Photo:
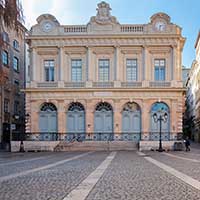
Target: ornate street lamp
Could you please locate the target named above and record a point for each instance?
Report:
(160, 116)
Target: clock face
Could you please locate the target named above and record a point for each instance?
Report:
(160, 26)
(47, 26)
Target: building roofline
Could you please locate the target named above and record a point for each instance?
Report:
(197, 40)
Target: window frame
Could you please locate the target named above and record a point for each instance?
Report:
(3, 53)
(160, 69)
(134, 70)
(6, 105)
(16, 64)
(16, 45)
(78, 76)
(101, 77)
(51, 73)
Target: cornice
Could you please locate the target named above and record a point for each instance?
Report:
(78, 90)
(99, 42)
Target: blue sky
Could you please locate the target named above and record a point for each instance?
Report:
(185, 13)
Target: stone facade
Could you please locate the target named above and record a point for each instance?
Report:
(105, 39)
(12, 72)
(193, 97)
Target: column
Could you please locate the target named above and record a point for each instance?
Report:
(61, 119)
(34, 65)
(143, 77)
(172, 64)
(145, 119)
(117, 73)
(90, 65)
(89, 115)
(117, 119)
(61, 71)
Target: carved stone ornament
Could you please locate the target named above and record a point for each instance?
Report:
(103, 14)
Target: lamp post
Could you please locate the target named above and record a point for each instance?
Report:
(160, 117)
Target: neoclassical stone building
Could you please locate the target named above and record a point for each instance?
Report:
(105, 77)
(193, 96)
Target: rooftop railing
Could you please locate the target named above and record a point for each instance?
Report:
(160, 84)
(131, 84)
(47, 84)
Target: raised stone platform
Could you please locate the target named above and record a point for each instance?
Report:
(75, 146)
(153, 145)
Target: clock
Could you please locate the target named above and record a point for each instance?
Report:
(160, 26)
(47, 26)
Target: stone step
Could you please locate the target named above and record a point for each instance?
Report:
(96, 146)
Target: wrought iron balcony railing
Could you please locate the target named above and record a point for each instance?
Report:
(94, 136)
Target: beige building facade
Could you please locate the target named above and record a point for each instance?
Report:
(193, 96)
(105, 77)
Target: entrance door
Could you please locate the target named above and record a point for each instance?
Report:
(131, 122)
(48, 122)
(103, 122)
(76, 121)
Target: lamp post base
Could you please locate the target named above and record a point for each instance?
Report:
(160, 150)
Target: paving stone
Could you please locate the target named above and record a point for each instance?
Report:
(132, 177)
(53, 183)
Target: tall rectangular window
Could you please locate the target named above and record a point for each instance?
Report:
(131, 69)
(159, 69)
(76, 71)
(16, 64)
(104, 69)
(5, 57)
(6, 105)
(16, 44)
(49, 70)
(16, 107)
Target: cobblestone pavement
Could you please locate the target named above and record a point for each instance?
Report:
(181, 162)
(130, 176)
(27, 164)
(53, 183)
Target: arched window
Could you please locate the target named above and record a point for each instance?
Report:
(103, 106)
(48, 107)
(160, 108)
(76, 107)
(131, 107)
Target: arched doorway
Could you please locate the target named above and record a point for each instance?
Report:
(48, 122)
(103, 121)
(76, 120)
(160, 108)
(131, 122)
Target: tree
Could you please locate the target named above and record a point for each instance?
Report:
(11, 14)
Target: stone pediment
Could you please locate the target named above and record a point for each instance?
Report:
(103, 21)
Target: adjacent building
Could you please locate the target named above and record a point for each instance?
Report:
(105, 77)
(12, 80)
(193, 96)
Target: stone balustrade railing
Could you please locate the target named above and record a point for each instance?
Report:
(75, 29)
(123, 29)
(132, 28)
(160, 84)
(131, 84)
